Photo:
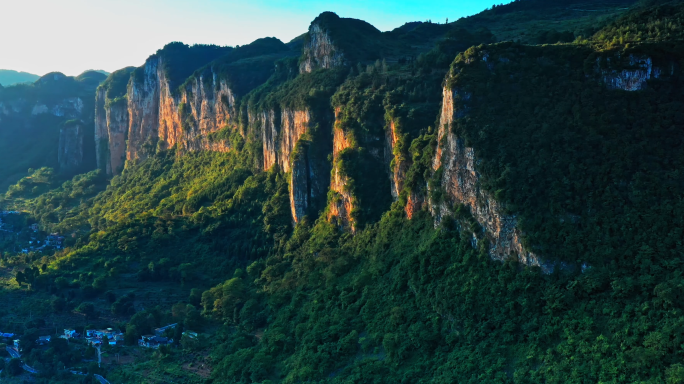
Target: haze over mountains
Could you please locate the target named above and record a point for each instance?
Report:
(9, 77)
(493, 200)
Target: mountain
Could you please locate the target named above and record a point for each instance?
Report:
(467, 202)
(98, 70)
(9, 77)
(47, 123)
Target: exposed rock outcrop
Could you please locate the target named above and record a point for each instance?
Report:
(70, 154)
(319, 51)
(164, 118)
(342, 203)
(143, 110)
(461, 184)
(111, 131)
(634, 79)
(399, 164)
(286, 146)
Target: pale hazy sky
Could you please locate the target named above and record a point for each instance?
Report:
(70, 36)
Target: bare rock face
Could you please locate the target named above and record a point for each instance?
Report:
(111, 130)
(269, 136)
(162, 117)
(294, 125)
(143, 111)
(634, 79)
(399, 165)
(70, 154)
(342, 203)
(284, 146)
(461, 186)
(319, 51)
(117, 129)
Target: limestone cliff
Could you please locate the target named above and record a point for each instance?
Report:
(286, 143)
(319, 50)
(342, 203)
(399, 164)
(640, 70)
(461, 185)
(70, 153)
(143, 110)
(162, 117)
(111, 130)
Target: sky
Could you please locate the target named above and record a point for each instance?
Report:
(71, 36)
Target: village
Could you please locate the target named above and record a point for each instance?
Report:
(96, 338)
(27, 238)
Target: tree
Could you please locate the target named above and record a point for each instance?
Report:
(58, 304)
(131, 335)
(20, 278)
(61, 282)
(87, 309)
(100, 283)
(195, 297)
(14, 367)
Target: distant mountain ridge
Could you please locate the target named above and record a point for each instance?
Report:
(10, 77)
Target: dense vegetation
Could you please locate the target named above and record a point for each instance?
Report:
(205, 239)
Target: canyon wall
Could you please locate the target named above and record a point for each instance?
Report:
(111, 131)
(342, 203)
(287, 144)
(398, 164)
(461, 184)
(154, 116)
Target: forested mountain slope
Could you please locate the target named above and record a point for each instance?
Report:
(47, 123)
(374, 213)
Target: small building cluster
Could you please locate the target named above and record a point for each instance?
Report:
(158, 339)
(55, 240)
(43, 340)
(70, 334)
(98, 337)
(152, 341)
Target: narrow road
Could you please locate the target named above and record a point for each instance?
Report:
(13, 352)
(101, 379)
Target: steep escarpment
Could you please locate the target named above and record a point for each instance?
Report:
(183, 95)
(285, 145)
(111, 121)
(295, 142)
(456, 164)
(341, 200)
(501, 160)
